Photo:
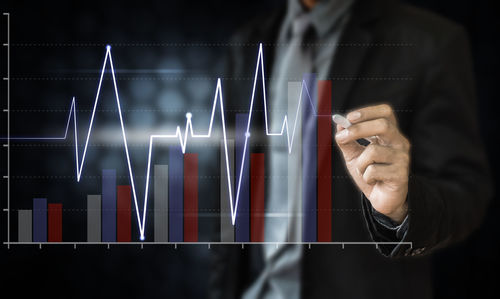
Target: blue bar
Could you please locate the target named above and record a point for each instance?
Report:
(109, 205)
(309, 160)
(175, 193)
(242, 224)
(39, 220)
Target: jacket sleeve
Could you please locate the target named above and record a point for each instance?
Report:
(449, 184)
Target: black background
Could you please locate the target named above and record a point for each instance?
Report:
(51, 45)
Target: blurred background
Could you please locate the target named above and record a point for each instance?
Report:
(168, 55)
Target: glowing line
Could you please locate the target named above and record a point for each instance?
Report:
(183, 139)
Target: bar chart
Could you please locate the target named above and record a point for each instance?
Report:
(174, 201)
(176, 197)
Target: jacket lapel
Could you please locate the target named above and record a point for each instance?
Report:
(354, 45)
(347, 65)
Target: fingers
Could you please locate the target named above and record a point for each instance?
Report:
(371, 113)
(375, 153)
(350, 150)
(385, 130)
(376, 123)
(384, 173)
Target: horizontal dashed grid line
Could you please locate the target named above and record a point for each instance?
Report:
(167, 110)
(198, 210)
(216, 144)
(138, 110)
(208, 44)
(159, 78)
(141, 176)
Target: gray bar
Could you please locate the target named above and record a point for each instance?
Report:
(295, 163)
(25, 225)
(161, 203)
(93, 218)
(226, 226)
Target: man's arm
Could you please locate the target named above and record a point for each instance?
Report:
(445, 192)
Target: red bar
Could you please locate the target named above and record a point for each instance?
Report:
(257, 205)
(123, 214)
(325, 143)
(191, 197)
(55, 222)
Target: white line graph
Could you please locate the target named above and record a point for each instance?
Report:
(182, 137)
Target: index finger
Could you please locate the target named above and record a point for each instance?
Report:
(371, 113)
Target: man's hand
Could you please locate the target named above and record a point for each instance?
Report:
(381, 169)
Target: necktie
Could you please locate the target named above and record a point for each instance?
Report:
(284, 204)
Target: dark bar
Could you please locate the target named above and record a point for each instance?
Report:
(175, 194)
(309, 160)
(55, 222)
(257, 192)
(325, 143)
(109, 205)
(123, 214)
(39, 220)
(191, 197)
(242, 222)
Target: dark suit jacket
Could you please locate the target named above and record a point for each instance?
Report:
(420, 64)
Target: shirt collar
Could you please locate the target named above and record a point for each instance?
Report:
(323, 16)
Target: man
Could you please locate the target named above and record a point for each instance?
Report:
(405, 77)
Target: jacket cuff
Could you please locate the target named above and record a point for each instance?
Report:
(383, 229)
